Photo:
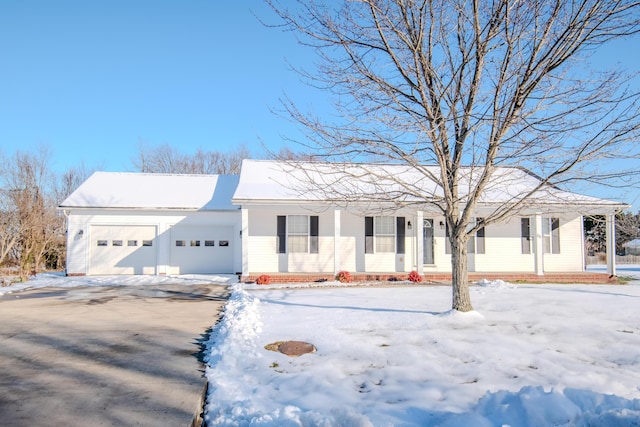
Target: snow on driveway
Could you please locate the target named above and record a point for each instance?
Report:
(59, 280)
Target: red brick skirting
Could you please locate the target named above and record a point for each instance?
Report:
(444, 278)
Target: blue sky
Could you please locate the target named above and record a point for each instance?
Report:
(91, 79)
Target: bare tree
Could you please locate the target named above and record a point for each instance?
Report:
(28, 195)
(69, 180)
(32, 230)
(167, 159)
(287, 154)
(469, 86)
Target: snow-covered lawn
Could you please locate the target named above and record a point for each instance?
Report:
(531, 355)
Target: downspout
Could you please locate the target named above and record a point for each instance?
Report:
(65, 212)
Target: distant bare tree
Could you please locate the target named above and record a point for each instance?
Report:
(468, 86)
(28, 195)
(287, 154)
(69, 180)
(167, 159)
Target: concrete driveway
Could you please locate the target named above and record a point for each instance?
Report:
(105, 356)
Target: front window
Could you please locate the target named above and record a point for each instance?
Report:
(551, 235)
(298, 234)
(385, 233)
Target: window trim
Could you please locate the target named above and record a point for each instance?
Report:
(283, 232)
(378, 234)
(293, 233)
(550, 231)
(371, 235)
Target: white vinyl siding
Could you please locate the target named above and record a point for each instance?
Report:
(302, 252)
(503, 249)
(569, 236)
(352, 242)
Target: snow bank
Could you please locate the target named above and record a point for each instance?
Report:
(564, 355)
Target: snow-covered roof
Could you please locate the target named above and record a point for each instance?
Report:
(154, 191)
(264, 181)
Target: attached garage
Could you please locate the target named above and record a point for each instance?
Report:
(118, 249)
(131, 223)
(205, 250)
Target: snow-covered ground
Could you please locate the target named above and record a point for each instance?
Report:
(531, 355)
(622, 270)
(59, 280)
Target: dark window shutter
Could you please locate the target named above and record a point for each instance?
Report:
(480, 239)
(400, 233)
(555, 235)
(313, 234)
(526, 235)
(282, 234)
(368, 235)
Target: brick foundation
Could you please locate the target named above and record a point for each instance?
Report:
(441, 278)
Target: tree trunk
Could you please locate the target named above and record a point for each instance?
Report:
(459, 276)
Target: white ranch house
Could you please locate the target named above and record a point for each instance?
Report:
(273, 219)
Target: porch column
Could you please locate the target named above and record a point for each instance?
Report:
(538, 251)
(244, 241)
(611, 244)
(336, 241)
(419, 242)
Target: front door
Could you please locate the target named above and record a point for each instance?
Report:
(427, 242)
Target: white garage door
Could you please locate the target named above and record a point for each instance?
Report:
(118, 249)
(203, 250)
